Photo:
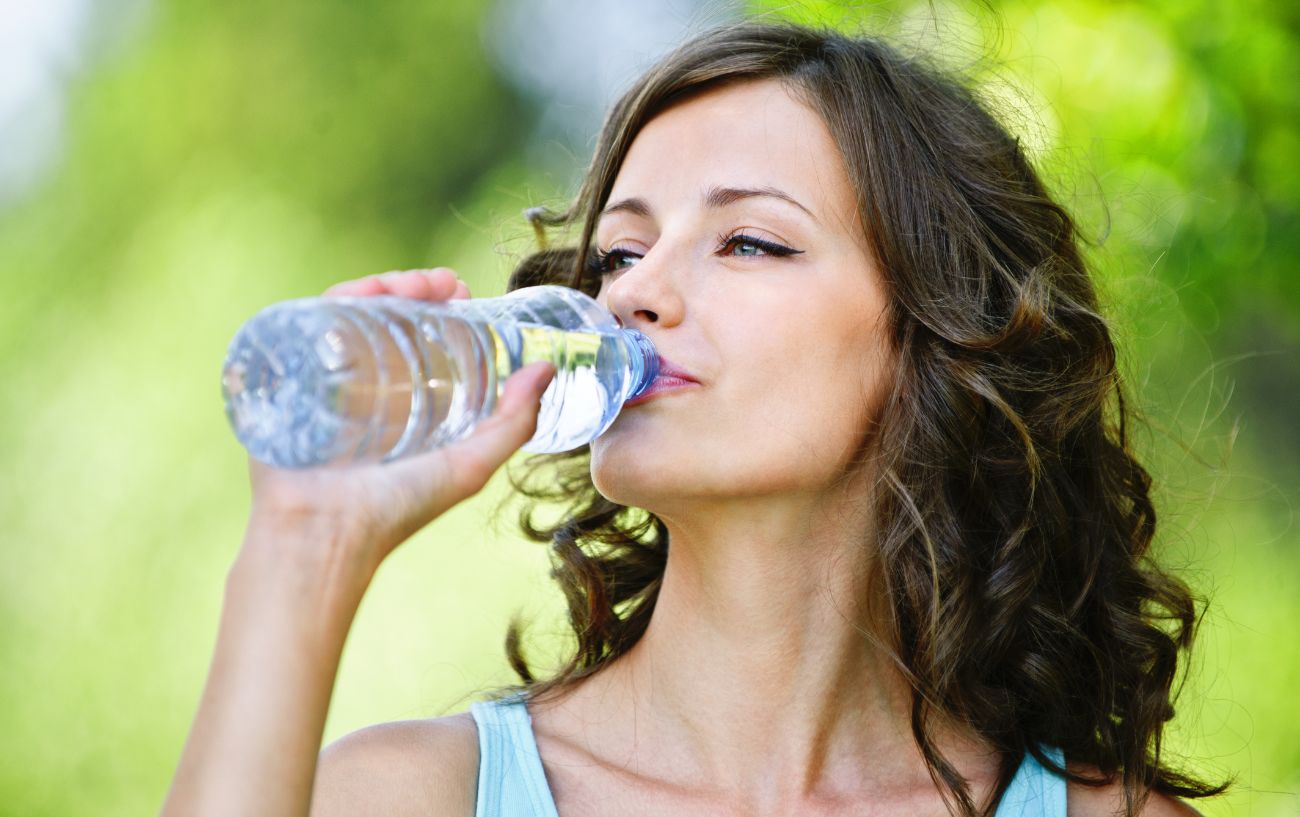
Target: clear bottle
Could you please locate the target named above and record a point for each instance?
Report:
(320, 381)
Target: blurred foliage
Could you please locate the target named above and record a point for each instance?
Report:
(235, 154)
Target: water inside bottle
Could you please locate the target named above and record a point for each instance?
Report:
(590, 366)
(337, 384)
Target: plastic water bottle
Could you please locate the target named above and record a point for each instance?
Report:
(322, 381)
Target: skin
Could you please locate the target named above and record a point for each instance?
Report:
(313, 542)
(752, 691)
(767, 552)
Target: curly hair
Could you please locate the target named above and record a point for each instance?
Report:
(1014, 520)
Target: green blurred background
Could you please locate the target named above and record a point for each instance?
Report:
(168, 167)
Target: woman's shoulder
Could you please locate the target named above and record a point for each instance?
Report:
(420, 767)
(1108, 800)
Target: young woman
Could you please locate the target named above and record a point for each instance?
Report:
(876, 545)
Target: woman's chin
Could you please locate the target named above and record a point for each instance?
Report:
(617, 482)
(633, 477)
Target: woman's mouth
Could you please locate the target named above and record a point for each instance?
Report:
(671, 378)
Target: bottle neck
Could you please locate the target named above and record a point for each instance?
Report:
(643, 361)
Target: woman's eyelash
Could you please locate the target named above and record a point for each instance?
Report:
(729, 242)
(602, 262)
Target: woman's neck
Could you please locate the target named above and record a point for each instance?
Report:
(755, 677)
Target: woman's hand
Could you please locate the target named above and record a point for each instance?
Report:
(314, 540)
(370, 509)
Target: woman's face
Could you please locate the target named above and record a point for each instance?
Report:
(731, 239)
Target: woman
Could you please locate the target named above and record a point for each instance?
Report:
(875, 546)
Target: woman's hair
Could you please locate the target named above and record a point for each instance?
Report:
(1013, 520)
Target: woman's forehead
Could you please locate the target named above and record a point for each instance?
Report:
(749, 136)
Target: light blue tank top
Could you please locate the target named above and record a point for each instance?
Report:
(511, 782)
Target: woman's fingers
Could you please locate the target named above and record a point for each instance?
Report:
(359, 288)
(462, 469)
(409, 284)
(475, 459)
(438, 284)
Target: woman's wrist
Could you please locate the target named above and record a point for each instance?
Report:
(303, 561)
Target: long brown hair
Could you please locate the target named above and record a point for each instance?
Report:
(1014, 521)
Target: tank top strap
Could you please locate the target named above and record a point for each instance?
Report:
(1035, 791)
(511, 781)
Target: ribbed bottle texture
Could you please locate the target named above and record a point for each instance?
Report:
(339, 380)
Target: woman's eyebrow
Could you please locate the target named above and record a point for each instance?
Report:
(714, 197)
(722, 196)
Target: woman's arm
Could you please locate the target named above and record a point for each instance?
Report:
(288, 607)
(315, 538)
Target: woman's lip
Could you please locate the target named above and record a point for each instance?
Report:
(669, 369)
(662, 384)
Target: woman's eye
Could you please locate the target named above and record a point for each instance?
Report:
(608, 262)
(619, 259)
(748, 246)
(613, 261)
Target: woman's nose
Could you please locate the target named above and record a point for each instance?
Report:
(644, 294)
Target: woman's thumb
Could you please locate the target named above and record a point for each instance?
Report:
(510, 426)
(521, 399)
